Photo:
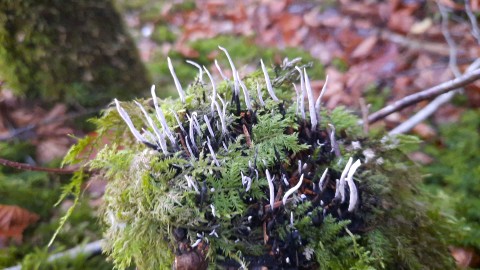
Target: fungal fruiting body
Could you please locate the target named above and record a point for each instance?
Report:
(215, 176)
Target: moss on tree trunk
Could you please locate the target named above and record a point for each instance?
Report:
(76, 51)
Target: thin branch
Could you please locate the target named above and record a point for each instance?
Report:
(423, 114)
(425, 94)
(433, 106)
(412, 44)
(452, 60)
(28, 167)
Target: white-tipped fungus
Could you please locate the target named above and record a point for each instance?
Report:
(176, 81)
(129, 123)
(292, 190)
(267, 81)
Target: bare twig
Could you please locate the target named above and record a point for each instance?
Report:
(423, 114)
(433, 106)
(28, 167)
(413, 44)
(430, 108)
(88, 249)
(429, 93)
(452, 60)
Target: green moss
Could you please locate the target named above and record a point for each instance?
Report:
(376, 96)
(158, 204)
(456, 171)
(38, 192)
(187, 5)
(340, 64)
(162, 33)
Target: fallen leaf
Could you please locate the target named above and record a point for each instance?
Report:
(348, 38)
(312, 18)
(420, 157)
(424, 130)
(289, 22)
(335, 88)
(401, 21)
(360, 8)
(331, 18)
(465, 257)
(473, 94)
(14, 220)
(421, 27)
(364, 49)
(52, 148)
(277, 6)
(186, 51)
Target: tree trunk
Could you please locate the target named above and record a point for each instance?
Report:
(75, 51)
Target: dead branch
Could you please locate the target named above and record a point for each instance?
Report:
(452, 55)
(433, 106)
(413, 44)
(430, 93)
(28, 167)
(423, 114)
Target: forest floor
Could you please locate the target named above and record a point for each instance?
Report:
(380, 51)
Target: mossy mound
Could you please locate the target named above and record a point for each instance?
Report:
(75, 51)
(216, 184)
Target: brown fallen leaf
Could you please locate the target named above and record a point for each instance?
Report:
(401, 21)
(365, 48)
(276, 6)
(312, 18)
(52, 148)
(360, 8)
(420, 157)
(473, 94)
(465, 257)
(289, 22)
(348, 38)
(424, 130)
(13, 221)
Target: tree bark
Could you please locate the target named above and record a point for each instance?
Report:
(72, 51)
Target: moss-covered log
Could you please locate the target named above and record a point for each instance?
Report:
(265, 180)
(76, 51)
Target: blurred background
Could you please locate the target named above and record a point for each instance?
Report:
(62, 62)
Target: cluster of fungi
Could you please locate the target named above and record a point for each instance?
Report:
(289, 180)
